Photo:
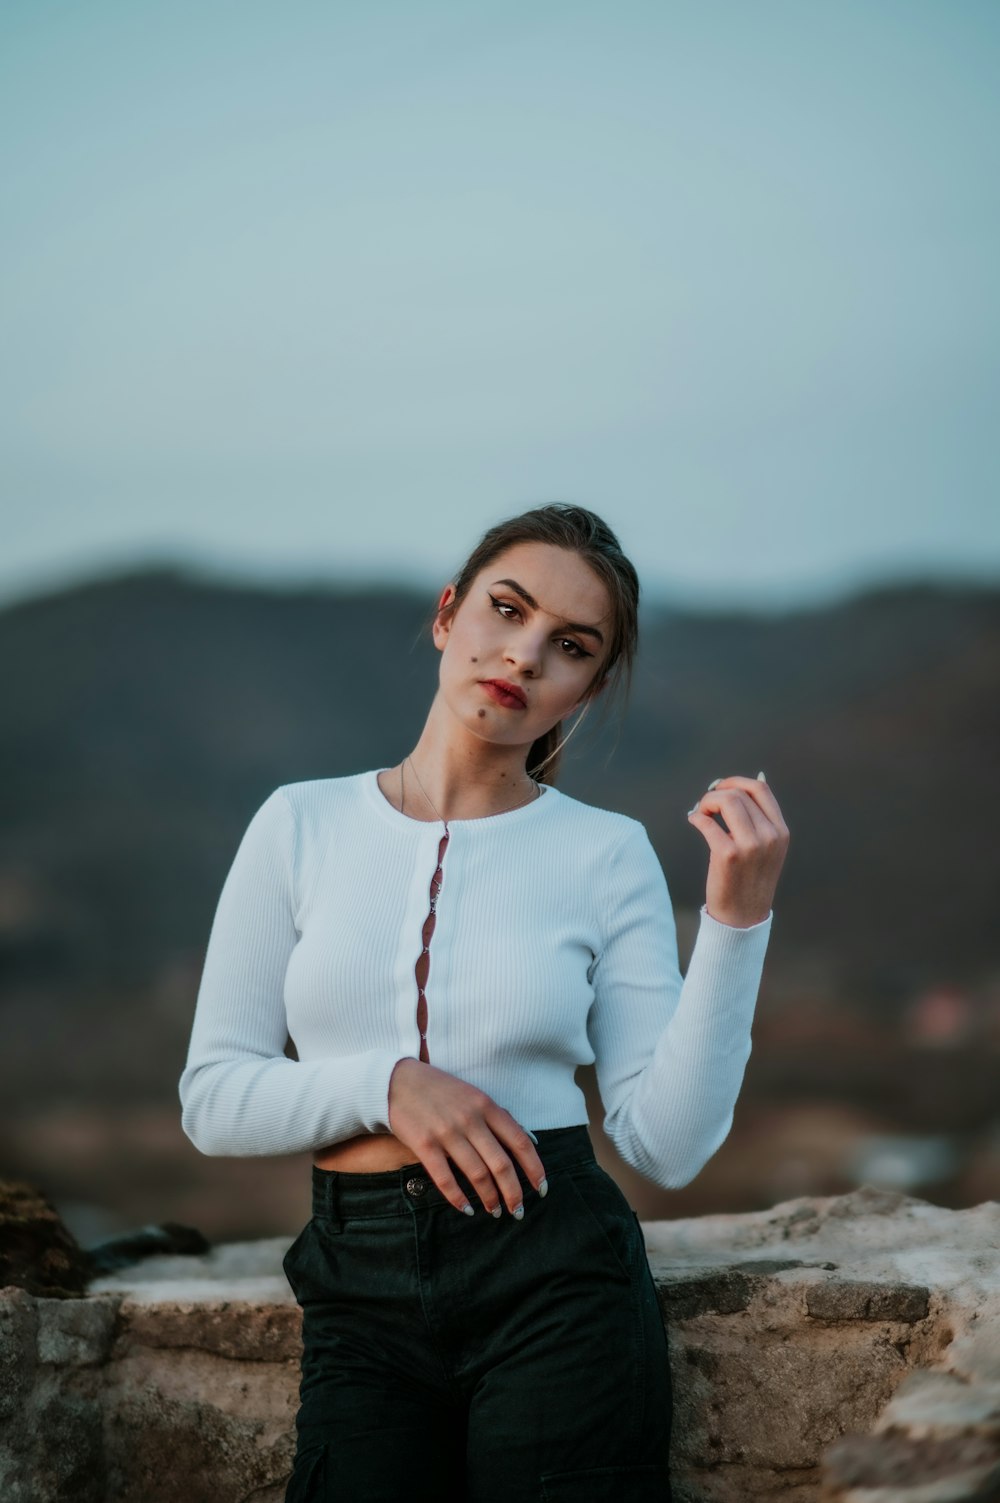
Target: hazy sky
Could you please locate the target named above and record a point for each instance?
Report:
(320, 289)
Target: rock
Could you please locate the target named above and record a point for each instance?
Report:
(51, 1445)
(65, 1458)
(769, 1371)
(18, 1327)
(839, 1299)
(722, 1290)
(76, 1333)
(940, 1404)
(162, 1447)
(37, 1252)
(937, 1441)
(239, 1329)
(899, 1469)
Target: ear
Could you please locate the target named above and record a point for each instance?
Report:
(442, 624)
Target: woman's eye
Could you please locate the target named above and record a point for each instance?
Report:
(578, 651)
(504, 605)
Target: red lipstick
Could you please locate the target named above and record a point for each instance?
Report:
(503, 693)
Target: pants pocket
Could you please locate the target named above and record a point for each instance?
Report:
(306, 1265)
(291, 1253)
(606, 1208)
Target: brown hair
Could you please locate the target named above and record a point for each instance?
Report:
(582, 532)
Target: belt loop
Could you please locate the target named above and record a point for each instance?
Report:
(331, 1209)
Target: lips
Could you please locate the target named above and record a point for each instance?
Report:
(504, 693)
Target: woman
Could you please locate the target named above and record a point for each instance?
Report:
(446, 940)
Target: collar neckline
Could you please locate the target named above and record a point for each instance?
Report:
(546, 796)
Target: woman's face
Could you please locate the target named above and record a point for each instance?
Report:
(536, 620)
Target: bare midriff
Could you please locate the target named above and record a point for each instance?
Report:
(369, 1153)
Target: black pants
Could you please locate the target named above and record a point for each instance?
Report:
(450, 1357)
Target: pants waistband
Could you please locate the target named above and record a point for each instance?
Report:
(394, 1192)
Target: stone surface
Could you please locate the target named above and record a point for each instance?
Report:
(939, 1403)
(845, 1348)
(721, 1291)
(898, 1469)
(771, 1368)
(18, 1327)
(37, 1251)
(226, 1458)
(76, 1332)
(861, 1300)
(236, 1328)
(52, 1379)
(937, 1441)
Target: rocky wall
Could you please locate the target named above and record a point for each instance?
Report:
(841, 1350)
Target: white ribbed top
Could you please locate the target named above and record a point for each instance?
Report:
(554, 946)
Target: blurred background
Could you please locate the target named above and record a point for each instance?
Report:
(297, 301)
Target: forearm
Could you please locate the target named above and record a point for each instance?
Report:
(669, 1117)
(254, 1106)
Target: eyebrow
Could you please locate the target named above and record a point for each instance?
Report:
(587, 631)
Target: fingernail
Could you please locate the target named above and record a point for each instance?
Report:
(714, 784)
(692, 810)
(518, 1213)
(543, 1187)
(761, 778)
(497, 1211)
(468, 1210)
(531, 1135)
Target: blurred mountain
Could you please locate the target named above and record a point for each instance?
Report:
(146, 716)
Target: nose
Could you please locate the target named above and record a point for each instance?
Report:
(524, 654)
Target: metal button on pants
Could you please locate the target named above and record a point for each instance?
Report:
(451, 1357)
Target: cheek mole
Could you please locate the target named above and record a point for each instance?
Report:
(480, 713)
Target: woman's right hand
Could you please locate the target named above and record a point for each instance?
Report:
(441, 1117)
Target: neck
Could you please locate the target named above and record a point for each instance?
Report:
(464, 777)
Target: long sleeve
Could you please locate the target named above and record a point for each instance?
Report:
(670, 1052)
(240, 1094)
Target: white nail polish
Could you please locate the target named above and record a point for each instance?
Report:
(693, 810)
(497, 1211)
(543, 1187)
(761, 778)
(518, 1213)
(714, 784)
(531, 1135)
(467, 1210)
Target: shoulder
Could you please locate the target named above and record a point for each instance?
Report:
(613, 854)
(606, 830)
(320, 795)
(315, 808)
(296, 822)
(293, 810)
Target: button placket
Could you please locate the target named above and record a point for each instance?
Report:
(422, 966)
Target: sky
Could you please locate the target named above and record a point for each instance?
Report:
(320, 291)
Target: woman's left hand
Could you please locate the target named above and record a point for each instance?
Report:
(744, 864)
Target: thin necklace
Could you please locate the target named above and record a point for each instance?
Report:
(536, 793)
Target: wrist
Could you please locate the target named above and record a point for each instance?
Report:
(738, 920)
(403, 1067)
